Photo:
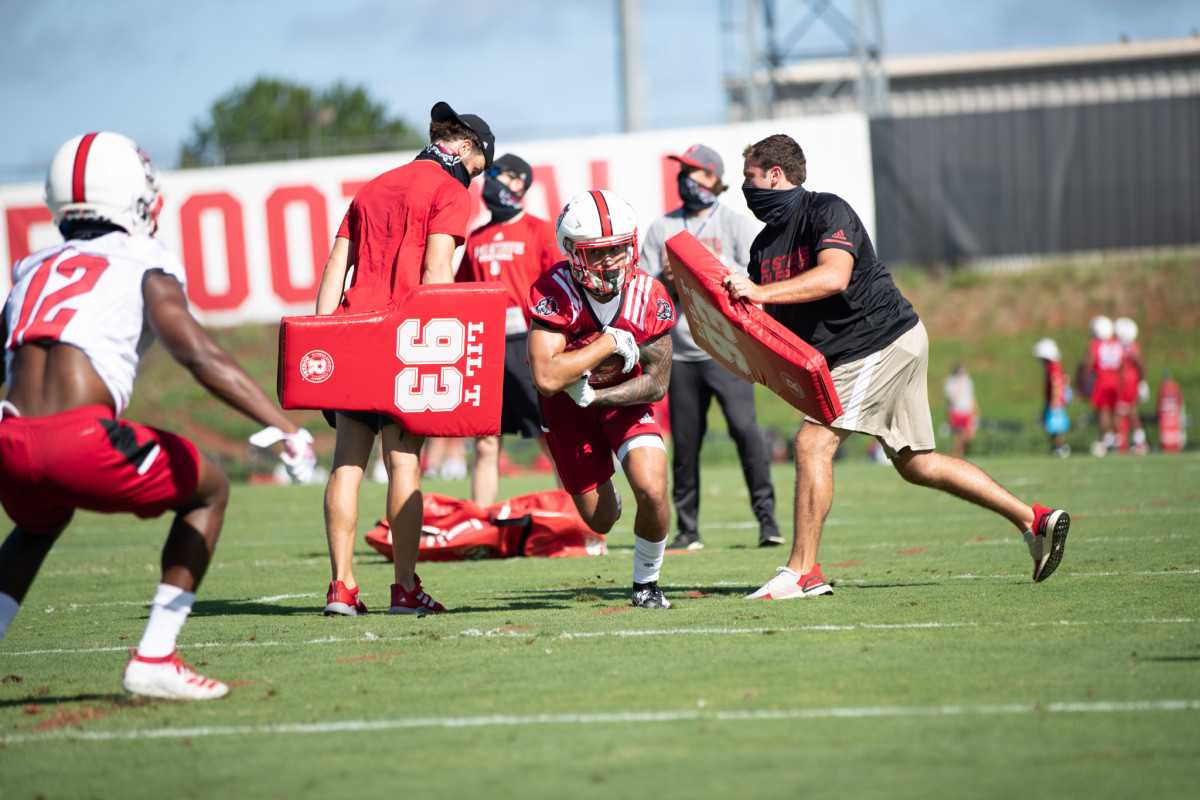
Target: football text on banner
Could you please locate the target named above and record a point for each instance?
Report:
(434, 362)
(744, 338)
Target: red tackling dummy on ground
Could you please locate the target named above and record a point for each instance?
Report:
(434, 362)
(541, 524)
(744, 338)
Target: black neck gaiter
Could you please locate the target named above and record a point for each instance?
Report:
(449, 161)
(772, 205)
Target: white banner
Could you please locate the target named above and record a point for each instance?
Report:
(254, 239)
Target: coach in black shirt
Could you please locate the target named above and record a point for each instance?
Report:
(814, 269)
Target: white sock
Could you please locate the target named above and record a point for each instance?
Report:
(647, 559)
(171, 608)
(1139, 436)
(8, 609)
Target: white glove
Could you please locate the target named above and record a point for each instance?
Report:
(1143, 392)
(298, 455)
(626, 347)
(581, 392)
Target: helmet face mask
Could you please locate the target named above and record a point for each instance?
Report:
(104, 178)
(603, 269)
(598, 232)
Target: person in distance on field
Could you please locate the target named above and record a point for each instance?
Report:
(962, 410)
(75, 326)
(1102, 378)
(514, 248)
(696, 378)
(814, 269)
(400, 231)
(600, 356)
(1058, 396)
(1132, 389)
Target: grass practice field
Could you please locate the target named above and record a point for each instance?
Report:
(936, 669)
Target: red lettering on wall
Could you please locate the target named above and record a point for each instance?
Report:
(599, 174)
(670, 184)
(235, 251)
(350, 188)
(281, 276)
(20, 220)
(545, 177)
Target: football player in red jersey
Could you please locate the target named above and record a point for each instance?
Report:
(80, 316)
(600, 355)
(1102, 367)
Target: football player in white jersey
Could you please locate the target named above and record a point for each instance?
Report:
(75, 326)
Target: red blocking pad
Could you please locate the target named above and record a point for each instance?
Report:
(434, 362)
(744, 338)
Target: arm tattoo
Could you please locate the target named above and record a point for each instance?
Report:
(651, 385)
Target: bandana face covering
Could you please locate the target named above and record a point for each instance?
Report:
(449, 161)
(500, 200)
(771, 205)
(694, 196)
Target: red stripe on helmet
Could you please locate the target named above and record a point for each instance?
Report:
(81, 155)
(602, 209)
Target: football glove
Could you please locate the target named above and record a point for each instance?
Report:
(581, 392)
(298, 456)
(626, 347)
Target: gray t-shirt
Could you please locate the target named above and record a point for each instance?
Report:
(726, 233)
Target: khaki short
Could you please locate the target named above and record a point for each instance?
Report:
(886, 395)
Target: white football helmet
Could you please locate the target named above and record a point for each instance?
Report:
(104, 176)
(1047, 349)
(592, 221)
(1101, 327)
(1127, 330)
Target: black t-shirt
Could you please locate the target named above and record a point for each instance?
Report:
(867, 316)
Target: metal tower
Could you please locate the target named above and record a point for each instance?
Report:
(761, 39)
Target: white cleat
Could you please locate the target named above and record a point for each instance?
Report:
(169, 678)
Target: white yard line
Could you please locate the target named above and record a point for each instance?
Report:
(609, 718)
(523, 632)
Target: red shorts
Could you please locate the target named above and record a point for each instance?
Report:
(1104, 392)
(583, 440)
(85, 458)
(961, 422)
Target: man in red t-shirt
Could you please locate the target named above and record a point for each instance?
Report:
(600, 355)
(514, 249)
(401, 230)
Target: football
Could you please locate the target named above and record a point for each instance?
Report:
(609, 370)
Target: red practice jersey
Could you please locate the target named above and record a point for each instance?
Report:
(515, 254)
(558, 302)
(1106, 357)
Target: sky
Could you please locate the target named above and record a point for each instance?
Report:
(534, 69)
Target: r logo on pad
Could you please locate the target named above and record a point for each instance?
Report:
(316, 366)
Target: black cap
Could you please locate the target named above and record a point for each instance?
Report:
(442, 112)
(517, 166)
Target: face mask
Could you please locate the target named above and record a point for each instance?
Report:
(694, 196)
(500, 200)
(771, 205)
(448, 160)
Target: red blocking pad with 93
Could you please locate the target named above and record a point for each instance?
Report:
(434, 362)
(745, 339)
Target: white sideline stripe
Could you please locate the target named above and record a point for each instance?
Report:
(147, 603)
(618, 717)
(475, 632)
